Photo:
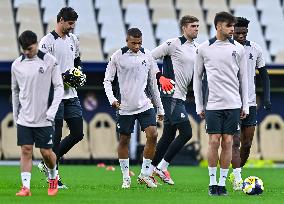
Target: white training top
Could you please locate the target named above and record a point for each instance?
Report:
(255, 60)
(180, 54)
(134, 72)
(226, 68)
(65, 50)
(31, 82)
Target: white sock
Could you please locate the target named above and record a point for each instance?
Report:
(26, 179)
(163, 165)
(223, 177)
(212, 175)
(237, 174)
(124, 165)
(146, 167)
(52, 173)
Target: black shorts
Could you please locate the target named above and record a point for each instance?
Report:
(125, 123)
(174, 110)
(69, 108)
(250, 120)
(40, 136)
(222, 121)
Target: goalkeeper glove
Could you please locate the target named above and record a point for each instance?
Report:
(167, 85)
(74, 78)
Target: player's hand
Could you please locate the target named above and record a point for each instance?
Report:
(243, 115)
(202, 115)
(116, 105)
(167, 85)
(160, 117)
(267, 105)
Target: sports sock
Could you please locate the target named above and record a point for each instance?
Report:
(52, 173)
(26, 179)
(146, 167)
(223, 177)
(237, 174)
(163, 165)
(124, 165)
(212, 175)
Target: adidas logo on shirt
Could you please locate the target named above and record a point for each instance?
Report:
(50, 142)
(182, 115)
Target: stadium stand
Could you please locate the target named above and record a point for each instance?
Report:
(9, 138)
(103, 141)
(271, 137)
(100, 19)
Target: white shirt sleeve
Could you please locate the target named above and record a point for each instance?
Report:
(109, 77)
(152, 82)
(260, 61)
(243, 78)
(58, 92)
(15, 95)
(162, 50)
(197, 81)
(45, 45)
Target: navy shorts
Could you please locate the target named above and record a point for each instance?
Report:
(69, 108)
(125, 123)
(250, 120)
(174, 110)
(40, 136)
(222, 121)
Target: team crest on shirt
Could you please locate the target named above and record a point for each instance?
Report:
(144, 63)
(250, 56)
(41, 70)
(234, 53)
(169, 43)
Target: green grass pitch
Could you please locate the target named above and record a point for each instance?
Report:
(90, 184)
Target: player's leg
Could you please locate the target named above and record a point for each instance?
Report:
(213, 128)
(43, 140)
(246, 141)
(235, 176)
(230, 125)
(169, 132)
(125, 125)
(248, 128)
(148, 123)
(25, 140)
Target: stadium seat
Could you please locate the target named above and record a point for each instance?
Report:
(271, 137)
(234, 3)
(107, 4)
(167, 28)
(185, 4)
(8, 46)
(86, 14)
(103, 141)
(126, 2)
(7, 4)
(18, 3)
(90, 47)
(163, 13)
(157, 4)
(279, 58)
(34, 26)
(264, 4)
(51, 9)
(9, 138)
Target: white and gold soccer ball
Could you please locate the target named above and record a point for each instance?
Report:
(253, 185)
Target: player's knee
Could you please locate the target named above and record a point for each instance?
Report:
(124, 140)
(236, 143)
(27, 150)
(214, 142)
(152, 135)
(247, 144)
(46, 153)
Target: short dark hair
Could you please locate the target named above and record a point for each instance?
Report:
(134, 32)
(68, 14)
(224, 17)
(242, 22)
(187, 19)
(27, 38)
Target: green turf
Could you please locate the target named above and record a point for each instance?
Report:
(89, 184)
